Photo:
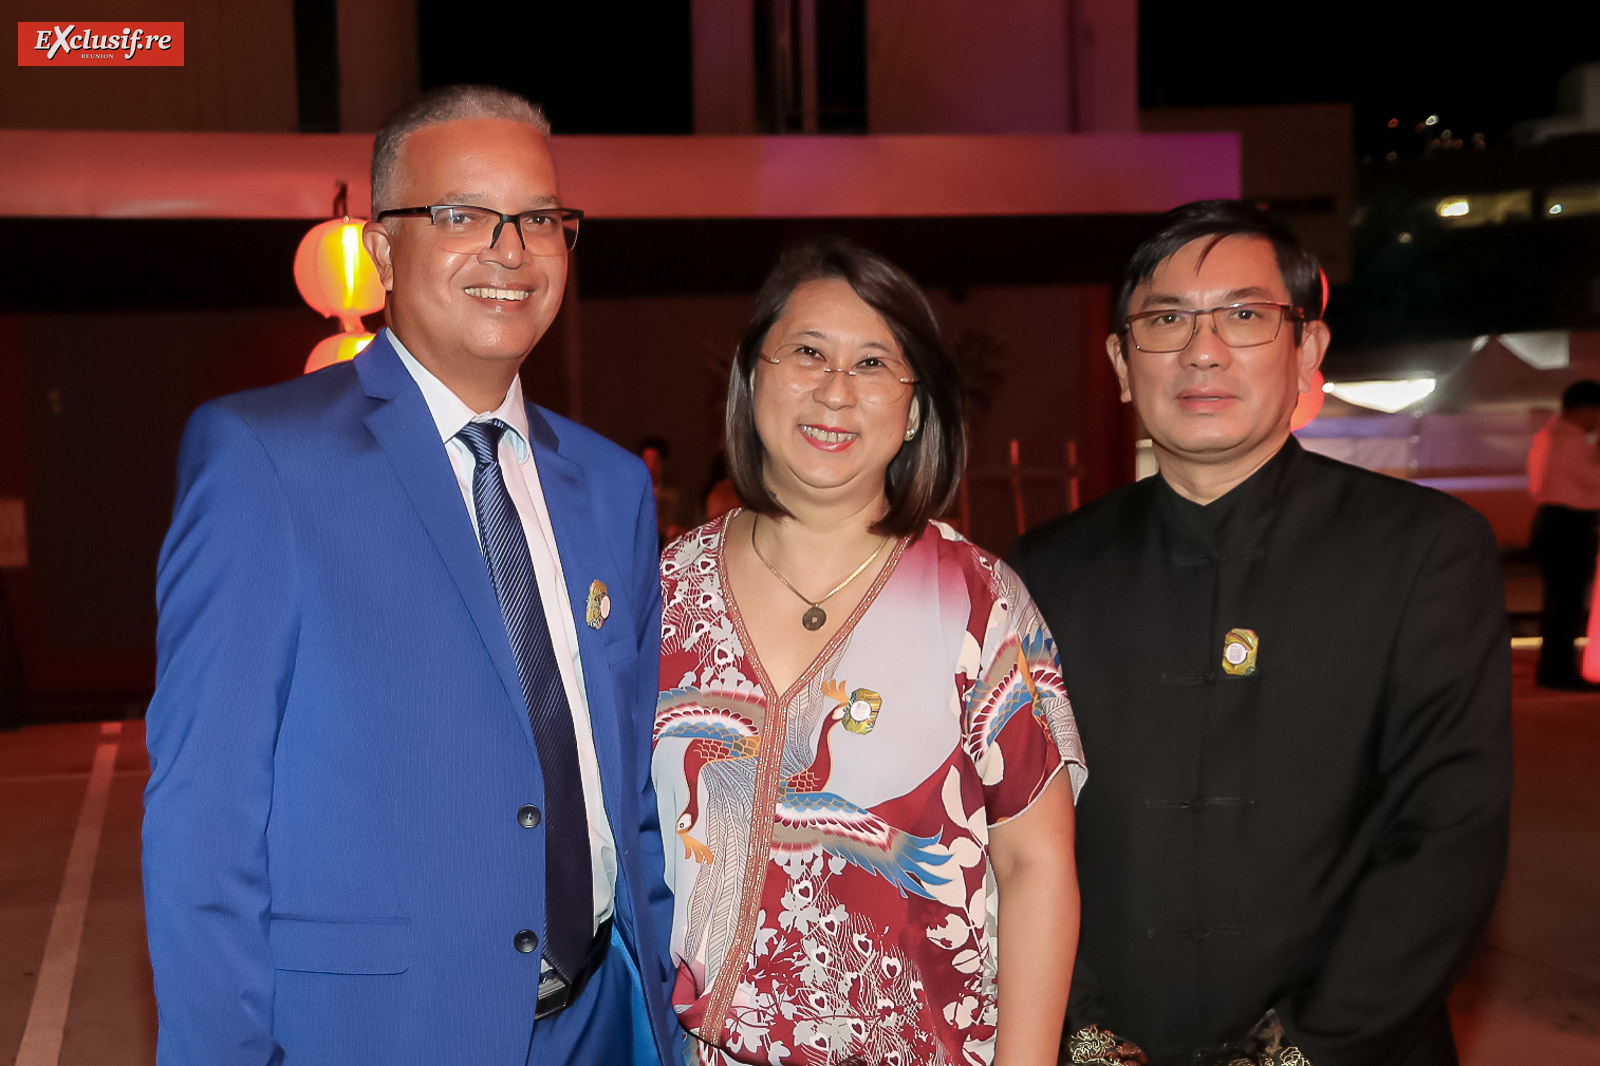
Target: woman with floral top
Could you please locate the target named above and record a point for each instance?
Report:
(862, 719)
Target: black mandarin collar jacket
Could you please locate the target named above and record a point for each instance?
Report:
(1323, 836)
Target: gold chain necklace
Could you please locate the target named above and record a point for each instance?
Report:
(815, 617)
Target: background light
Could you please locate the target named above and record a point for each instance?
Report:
(1309, 405)
(335, 275)
(339, 348)
(1546, 349)
(1453, 208)
(1386, 396)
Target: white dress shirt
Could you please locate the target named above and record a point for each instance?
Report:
(1564, 467)
(521, 475)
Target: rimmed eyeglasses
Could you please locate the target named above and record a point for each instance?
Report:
(877, 378)
(1241, 325)
(469, 228)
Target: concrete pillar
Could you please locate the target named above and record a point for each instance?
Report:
(724, 66)
(377, 62)
(1103, 61)
(930, 70)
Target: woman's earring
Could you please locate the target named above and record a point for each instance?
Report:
(914, 418)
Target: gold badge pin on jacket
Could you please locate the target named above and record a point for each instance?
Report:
(1239, 649)
(599, 608)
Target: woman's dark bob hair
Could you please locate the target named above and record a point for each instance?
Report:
(922, 478)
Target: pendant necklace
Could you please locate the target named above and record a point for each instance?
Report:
(815, 617)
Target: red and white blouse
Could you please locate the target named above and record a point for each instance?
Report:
(830, 863)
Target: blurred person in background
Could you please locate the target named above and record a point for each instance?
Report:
(719, 496)
(1564, 480)
(673, 509)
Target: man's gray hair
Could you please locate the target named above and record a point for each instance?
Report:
(448, 104)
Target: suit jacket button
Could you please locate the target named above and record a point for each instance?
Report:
(528, 815)
(525, 941)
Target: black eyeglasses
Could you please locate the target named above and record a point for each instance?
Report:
(1243, 325)
(467, 228)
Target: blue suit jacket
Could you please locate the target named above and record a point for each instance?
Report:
(334, 867)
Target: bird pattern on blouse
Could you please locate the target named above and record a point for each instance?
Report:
(719, 728)
(807, 817)
(1015, 678)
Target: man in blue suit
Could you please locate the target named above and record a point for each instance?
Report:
(399, 808)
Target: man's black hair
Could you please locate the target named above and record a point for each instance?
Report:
(1214, 221)
(1581, 394)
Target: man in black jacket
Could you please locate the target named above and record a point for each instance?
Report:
(1293, 679)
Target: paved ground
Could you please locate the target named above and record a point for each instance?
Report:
(1532, 996)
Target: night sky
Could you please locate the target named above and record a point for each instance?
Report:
(1400, 60)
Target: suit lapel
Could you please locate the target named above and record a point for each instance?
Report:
(405, 430)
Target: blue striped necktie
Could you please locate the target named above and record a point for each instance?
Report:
(569, 892)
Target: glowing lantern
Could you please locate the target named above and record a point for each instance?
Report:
(1308, 406)
(335, 275)
(339, 348)
(1310, 403)
(1590, 667)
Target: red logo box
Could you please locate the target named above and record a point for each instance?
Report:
(99, 44)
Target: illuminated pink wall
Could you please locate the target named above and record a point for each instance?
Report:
(1028, 66)
(91, 405)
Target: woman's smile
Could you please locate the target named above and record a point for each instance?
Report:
(828, 438)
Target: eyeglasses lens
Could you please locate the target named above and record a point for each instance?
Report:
(876, 379)
(1239, 326)
(470, 229)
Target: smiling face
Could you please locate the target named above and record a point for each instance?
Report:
(1216, 413)
(823, 440)
(474, 315)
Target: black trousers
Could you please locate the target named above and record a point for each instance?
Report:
(1565, 541)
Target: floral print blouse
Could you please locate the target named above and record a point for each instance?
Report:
(834, 901)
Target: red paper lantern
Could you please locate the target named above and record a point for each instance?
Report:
(335, 275)
(338, 348)
(1309, 404)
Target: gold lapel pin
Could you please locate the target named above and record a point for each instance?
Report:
(599, 608)
(1239, 649)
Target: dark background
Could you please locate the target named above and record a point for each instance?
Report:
(1480, 73)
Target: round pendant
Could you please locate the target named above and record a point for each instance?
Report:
(815, 618)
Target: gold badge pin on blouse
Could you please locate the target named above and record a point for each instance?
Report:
(858, 710)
